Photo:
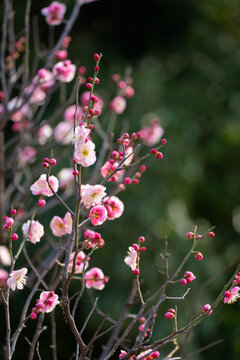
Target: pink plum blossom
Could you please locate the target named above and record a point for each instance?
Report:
(81, 135)
(118, 104)
(33, 231)
(231, 295)
(80, 261)
(151, 134)
(27, 155)
(17, 279)
(114, 206)
(65, 177)
(95, 279)
(44, 133)
(45, 79)
(47, 301)
(128, 151)
(99, 214)
(5, 258)
(188, 277)
(64, 71)
(61, 226)
(40, 187)
(69, 114)
(131, 258)
(23, 109)
(85, 154)
(108, 168)
(63, 133)
(54, 13)
(3, 278)
(92, 195)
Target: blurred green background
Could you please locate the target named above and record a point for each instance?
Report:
(185, 60)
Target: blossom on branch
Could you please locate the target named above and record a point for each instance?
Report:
(33, 230)
(17, 279)
(95, 279)
(47, 301)
(61, 226)
(81, 262)
(41, 187)
(54, 13)
(92, 195)
(64, 71)
(85, 154)
(114, 206)
(99, 215)
(131, 258)
(231, 295)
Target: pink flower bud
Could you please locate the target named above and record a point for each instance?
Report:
(127, 181)
(14, 236)
(46, 160)
(190, 235)
(96, 57)
(41, 203)
(142, 320)
(33, 315)
(159, 155)
(163, 142)
(75, 172)
(9, 221)
(96, 68)
(91, 126)
(52, 161)
(155, 354)
(45, 165)
(13, 212)
(141, 239)
(135, 181)
(88, 86)
(143, 168)
(183, 281)
(169, 315)
(142, 249)
(135, 246)
(115, 154)
(211, 234)
(136, 272)
(96, 81)
(153, 151)
(198, 256)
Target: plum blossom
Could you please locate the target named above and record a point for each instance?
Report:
(69, 114)
(108, 168)
(99, 214)
(44, 133)
(95, 279)
(128, 151)
(131, 258)
(34, 231)
(47, 301)
(114, 206)
(151, 134)
(17, 279)
(41, 187)
(54, 13)
(63, 133)
(64, 71)
(45, 78)
(5, 258)
(231, 295)
(206, 308)
(61, 226)
(85, 154)
(118, 104)
(22, 112)
(92, 195)
(3, 278)
(81, 135)
(81, 262)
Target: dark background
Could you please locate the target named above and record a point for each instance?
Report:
(185, 59)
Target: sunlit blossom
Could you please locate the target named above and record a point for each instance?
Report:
(17, 279)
